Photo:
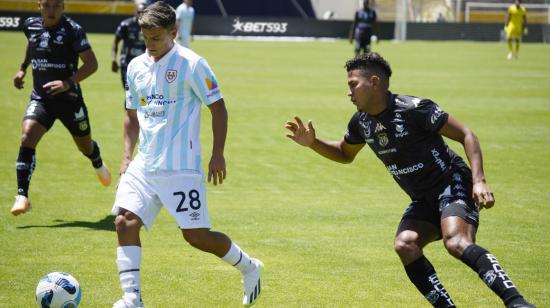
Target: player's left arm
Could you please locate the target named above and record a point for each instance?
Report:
(216, 167)
(88, 67)
(456, 131)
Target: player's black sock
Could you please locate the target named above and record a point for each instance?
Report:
(95, 157)
(490, 271)
(26, 162)
(422, 274)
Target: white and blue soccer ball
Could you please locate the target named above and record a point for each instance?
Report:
(58, 290)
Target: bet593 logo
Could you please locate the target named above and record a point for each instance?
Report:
(9, 22)
(259, 26)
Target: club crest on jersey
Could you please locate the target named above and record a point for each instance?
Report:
(383, 139)
(171, 75)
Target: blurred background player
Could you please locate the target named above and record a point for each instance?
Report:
(184, 22)
(406, 134)
(132, 43)
(363, 28)
(55, 43)
(166, 88)
(515, 25)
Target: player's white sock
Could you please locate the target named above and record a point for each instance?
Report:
(239, 259)
(128, 261)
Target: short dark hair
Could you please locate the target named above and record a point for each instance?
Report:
(157, 15)
(371, 61)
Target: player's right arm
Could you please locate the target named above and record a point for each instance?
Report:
(20, 75)
(130, 137)
(114, 51)
(338, 151)
(352, 28)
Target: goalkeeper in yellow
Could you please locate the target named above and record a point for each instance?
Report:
(516, 24)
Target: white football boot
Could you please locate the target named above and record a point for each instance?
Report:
(21, 205)
(252, 283)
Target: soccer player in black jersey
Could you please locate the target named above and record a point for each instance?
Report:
(129, 33)
(55, 43)
(406, 134)
(363, 29)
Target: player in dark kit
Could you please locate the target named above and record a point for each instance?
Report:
(406, 133)
(129, 33)
(55, 42)
(363, 28)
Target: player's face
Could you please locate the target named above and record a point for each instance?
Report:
(361, 89)
(51, 11)
(158, 41)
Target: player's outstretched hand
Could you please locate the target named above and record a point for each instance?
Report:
(18, 79)
(216, 169)
(300, 133)
(483, 195)
(56, 86)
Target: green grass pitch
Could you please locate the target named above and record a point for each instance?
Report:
(324, 231)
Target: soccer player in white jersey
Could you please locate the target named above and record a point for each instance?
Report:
(166, 87)
(184, 22)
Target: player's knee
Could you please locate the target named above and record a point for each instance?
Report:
(126, 222)
(28, 140)
(405, 246)
(456, 245)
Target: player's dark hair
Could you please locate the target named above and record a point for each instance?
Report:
(157, 15)
(370, 62)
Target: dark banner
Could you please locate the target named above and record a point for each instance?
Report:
(296, 27)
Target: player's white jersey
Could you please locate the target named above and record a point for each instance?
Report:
(168, 95)
(185, 15)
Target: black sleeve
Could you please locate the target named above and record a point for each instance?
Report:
(26, 26)
(428, 116)
(80, 42)
(353, 134)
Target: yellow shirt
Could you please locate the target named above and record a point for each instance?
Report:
(516, 16)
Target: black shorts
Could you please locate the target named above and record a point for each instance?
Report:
(362, 40)
(71, 111)
(454, 199)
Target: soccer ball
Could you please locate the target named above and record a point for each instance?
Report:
(58, 290)
(374, 39)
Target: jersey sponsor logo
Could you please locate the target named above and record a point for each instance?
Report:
(212, 85)
(401, 132)
(403, 171)
(258, 27)
(58, 40)
(156, 100)
(438, 161)
(392, 150)
(154, 114)
(43, 64)
(383, 139)
(171, 75)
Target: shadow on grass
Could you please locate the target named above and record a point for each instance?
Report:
(107, 224)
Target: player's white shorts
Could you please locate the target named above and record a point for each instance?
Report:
(182, 193)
